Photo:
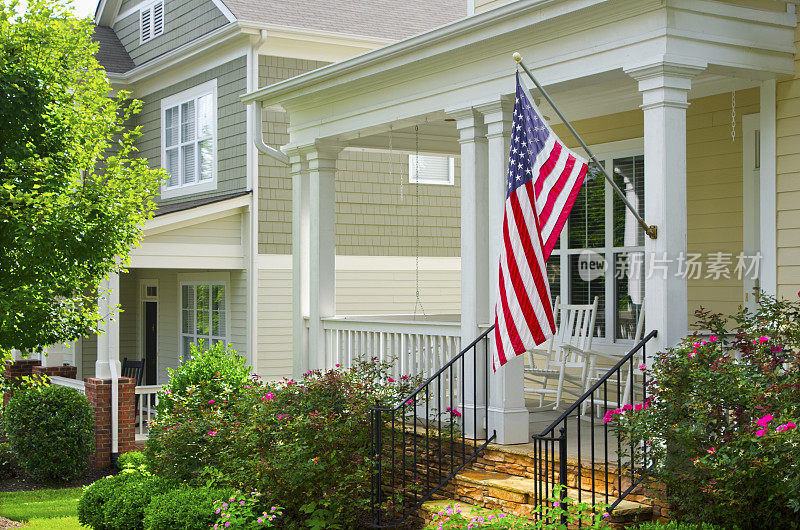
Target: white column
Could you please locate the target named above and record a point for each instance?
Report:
(508, 416)
(300, 261)
(665, 87)
(108, 340)
(474, 258)
(322, 247)
(767, 191)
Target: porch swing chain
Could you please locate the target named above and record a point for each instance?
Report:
(418, 302)
(733, 112)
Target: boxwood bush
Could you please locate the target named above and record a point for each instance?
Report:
(118, 502)
(184, 508)
(51, 432)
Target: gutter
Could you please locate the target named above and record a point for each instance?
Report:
(258, 136)
(112, 365)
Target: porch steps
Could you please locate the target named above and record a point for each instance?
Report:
(478, 493)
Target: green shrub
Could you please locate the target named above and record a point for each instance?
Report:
(132, 460)
(8, 463)
(183, 509)
(215, 374)
(720, 427)
(118, 502)
(51, 432)
(303, 444)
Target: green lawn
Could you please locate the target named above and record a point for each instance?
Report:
(43, 509)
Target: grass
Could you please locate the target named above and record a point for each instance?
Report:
(42, 509)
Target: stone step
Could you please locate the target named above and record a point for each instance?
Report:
(431, 508)
(516, 495)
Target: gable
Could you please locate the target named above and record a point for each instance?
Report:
(168, 24)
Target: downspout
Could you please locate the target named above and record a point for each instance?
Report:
(258, 126)
(112, 365)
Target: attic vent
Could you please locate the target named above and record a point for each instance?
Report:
(151, 21)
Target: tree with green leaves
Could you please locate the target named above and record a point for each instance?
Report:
(74, 196)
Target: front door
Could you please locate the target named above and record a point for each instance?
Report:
(150, 342)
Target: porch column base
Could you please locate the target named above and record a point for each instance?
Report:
(98, 392)
(512, 425)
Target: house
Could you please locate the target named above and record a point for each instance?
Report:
(355, 218)
(215, 261)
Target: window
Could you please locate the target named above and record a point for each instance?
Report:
(203, 315)
(151, 22)
(431, 169)
(188, 140)
(601, 229)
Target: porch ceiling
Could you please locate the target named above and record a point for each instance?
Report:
(578, 48)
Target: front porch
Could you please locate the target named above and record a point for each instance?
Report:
(662, 107)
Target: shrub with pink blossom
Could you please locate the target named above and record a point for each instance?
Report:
(720, 424)
(242, 511)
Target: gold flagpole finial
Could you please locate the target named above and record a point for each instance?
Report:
(517, 57)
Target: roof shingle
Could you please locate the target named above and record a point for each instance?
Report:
(390, 19)
(112, 54)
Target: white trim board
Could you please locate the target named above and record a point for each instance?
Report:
(197, 215)
(368, 263)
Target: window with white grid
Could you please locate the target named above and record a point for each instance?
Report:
(203, 315)
(600, 223)
(188, 140)
(151, 22)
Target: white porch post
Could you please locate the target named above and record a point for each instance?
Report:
(665, 87)
(507, 413)
(322, 246)
(108, 341)
(767, 175)
(474, 258)
(300, 261)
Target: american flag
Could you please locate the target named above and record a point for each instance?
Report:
(544, 177)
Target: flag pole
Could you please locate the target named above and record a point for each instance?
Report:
(650, 230)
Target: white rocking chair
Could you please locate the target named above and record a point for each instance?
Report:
(565, 354)
(628, 395)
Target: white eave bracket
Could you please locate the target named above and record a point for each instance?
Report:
(258, 137)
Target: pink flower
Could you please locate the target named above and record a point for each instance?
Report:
(785, 427)
(713, 338)
(390, 379)
(694, 352)
(241, 503)
(764, 420)
(212, 433)
(760, 339)
(556, 504)
(761, 432)
(643, 367)
(627, 406)
(711, 450)
(227, 523)
(404, 377)
(268, 395)
(337, 365)
(638, 407)
(696, 345)
(210, 401)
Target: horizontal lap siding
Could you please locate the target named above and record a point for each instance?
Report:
(375, 214)
(788, 182)
(275, 323)
(714, 194)
(184, 21)
(224, 231)
(237, 290)
(231, 127)
(370, 291)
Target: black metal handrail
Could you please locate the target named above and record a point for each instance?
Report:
(619, 480)
(399, 484)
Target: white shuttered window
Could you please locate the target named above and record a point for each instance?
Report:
(189, 140)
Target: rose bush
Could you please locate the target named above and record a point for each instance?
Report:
(720, 425)
(304, 445)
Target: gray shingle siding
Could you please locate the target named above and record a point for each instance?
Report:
(184, 21)
(231, 127)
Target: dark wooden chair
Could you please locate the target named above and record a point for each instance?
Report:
(134, 370)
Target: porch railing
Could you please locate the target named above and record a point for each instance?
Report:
(414, 347)
(146, 402)
(68, 382)
(606, 473)
(429, 436)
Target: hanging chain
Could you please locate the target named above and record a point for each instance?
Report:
(418, 302)
(733, 112)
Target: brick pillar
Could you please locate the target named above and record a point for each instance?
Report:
(98, 392)
(16, 370)
(70, 372)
